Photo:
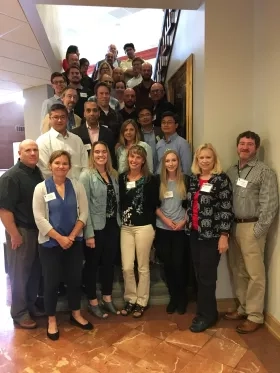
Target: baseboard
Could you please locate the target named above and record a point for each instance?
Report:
(272, 324)
(226, 304)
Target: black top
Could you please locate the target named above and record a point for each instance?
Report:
(87, 83)
(215, 212)
(16, 193)
(138, 204)
(125, 115)
(105, 135)
(112, 120)
(84, 94)
(161, 107)
(143, 98)
(111, 207)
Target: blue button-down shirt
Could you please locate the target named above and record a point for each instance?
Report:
(181, 146)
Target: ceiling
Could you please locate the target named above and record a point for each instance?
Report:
(35, 35)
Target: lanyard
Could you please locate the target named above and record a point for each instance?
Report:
(247, 173)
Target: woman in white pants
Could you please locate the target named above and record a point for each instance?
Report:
(138, 202)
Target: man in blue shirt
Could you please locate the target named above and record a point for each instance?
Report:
(172, 141)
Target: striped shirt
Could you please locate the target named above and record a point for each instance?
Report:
(260, 197)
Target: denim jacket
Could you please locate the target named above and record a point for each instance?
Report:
(96, 191)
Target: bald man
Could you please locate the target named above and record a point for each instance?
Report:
(129, 99)
(16, 193)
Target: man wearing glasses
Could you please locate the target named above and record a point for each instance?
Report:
(160, 103)
(58, 83)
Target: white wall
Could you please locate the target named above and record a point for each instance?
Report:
(266, 122)
(190, 39)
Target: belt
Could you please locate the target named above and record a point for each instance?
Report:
(251, 220)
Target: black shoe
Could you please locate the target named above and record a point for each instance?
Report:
(171, 307)
(52, 336)
(181, 309)
(195, 319)
(87, 326)
(200, 325)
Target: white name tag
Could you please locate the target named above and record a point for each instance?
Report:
(206, 187)
(49, 197)
(168, 194)
(83, 94)
(242, 182)
(87, 146)
(130, 185)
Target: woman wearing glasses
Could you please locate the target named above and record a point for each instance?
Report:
(102, 230)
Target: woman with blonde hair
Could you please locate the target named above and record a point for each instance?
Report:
(60, 211)
(210, 216)
(103, 69)
(171, 242)
(129, 136)
(102, 230)
(138, 202)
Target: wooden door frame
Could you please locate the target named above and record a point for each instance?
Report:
(188, 65)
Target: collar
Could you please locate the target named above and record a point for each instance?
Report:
(88, 127)
(24, 167)
(54, 133)
(57, 97)
(252, 162)
(152, 130)
(171, 138)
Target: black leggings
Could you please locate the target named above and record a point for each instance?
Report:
(55, 261)
(107, 243)
(171, 249)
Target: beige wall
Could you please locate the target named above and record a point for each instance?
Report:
(266, 122)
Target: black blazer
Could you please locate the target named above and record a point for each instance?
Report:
(105, 135)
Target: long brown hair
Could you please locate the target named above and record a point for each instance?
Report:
(122, 140)
(180, 184)
(108, 167)
(139, 150)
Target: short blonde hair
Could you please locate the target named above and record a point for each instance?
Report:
(108, 167)
(217, 169)
(122, 140)
(180, 182)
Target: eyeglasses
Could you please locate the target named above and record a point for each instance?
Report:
(58, 82)
(59, 117)
(145, 115)
(169, 122)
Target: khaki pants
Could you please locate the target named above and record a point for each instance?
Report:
(246, 259)
(137, 240)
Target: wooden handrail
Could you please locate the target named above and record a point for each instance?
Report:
(169, 28)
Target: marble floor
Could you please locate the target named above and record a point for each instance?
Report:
(156, 343)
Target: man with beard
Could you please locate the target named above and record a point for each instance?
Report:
(69, 99)
(91, 131)
(129, 111)
(74, 75)
(142, 90)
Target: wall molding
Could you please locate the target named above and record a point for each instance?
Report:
(272, 324)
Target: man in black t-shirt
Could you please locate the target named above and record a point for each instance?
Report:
(16, 193)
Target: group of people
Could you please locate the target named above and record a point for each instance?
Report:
(94, 185)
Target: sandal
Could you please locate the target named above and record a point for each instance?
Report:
(97, 311)
(109, 306)
(138, 311)
(128, 309)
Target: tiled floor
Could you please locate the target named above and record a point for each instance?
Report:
(157, 343)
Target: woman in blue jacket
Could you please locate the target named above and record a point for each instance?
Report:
(102, 230)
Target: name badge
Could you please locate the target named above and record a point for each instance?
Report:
(83, 94)
(206, 187)
(130, 185)
(49, 197)
(168, 194)
(87, 146)
(242, 182)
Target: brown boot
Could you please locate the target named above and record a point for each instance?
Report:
(234, 316)
(27, 324)
(248, 326)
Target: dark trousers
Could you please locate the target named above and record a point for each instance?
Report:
(206, 259)
(24, 271)
(56, 261)
(107, 243)
(171, 249)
